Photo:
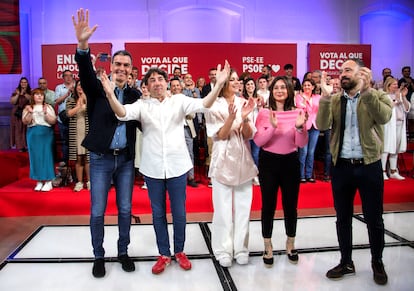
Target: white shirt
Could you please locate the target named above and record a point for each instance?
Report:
(164, 151)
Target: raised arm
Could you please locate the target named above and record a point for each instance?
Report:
(109, 86)
(221, 78)
(82, 29)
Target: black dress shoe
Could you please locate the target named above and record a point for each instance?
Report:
(310, 180)
(303, 180)
(341, 270)
(126, 262)
(293, 256)
(98, 270)
(192, 183)
(380, 276)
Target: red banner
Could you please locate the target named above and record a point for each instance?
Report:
(329, 57)
(10, 54)
(198, 58)
(60, 57)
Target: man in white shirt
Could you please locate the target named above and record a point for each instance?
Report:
(165, 158)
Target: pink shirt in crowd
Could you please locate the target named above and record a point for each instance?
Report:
(283, 139)
(310, 106)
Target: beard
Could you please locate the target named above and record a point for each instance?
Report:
(348, 84)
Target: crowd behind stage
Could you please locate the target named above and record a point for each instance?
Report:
(69, 103)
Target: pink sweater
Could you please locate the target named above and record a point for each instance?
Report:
(311, 108)
(283, 139)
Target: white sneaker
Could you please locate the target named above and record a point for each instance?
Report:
(396, 176)
(225, 262)
(39, 186)
(144, 186)
(88, 185)
(385, 176)
(242, 260)
(47, 186)
(256, 181)
(78, 187)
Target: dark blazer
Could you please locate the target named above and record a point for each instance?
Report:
(102, 120)
(206, 89)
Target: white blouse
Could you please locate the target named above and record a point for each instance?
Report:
(164, 151)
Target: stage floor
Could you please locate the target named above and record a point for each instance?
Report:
(60, 258)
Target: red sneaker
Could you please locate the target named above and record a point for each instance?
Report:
(161, 264)
(183, 261)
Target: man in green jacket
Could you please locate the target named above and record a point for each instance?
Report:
(356, 116)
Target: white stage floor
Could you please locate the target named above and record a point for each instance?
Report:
(60, 258)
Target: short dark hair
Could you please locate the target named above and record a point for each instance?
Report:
(288, 66)
(122, 53)
(405, 68)
(152, 71)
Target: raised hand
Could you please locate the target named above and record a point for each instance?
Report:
(82, 29)
(108, 85)
(222, 75)
(301, 119)
(365, 75)
(272, 118)
(248, 107)
(232, 111)
(325, 91)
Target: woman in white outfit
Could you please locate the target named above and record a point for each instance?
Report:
(231, 171)
(395, 136)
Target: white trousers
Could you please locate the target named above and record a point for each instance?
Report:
(231, 217)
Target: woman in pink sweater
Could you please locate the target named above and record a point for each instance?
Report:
(280, 132)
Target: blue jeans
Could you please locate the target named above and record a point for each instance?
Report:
(64, 135)
(105, 168)
(255, 152)
(307, 154)
(157, 190)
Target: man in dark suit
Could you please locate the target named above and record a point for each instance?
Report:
(111, 144)
(207, 88)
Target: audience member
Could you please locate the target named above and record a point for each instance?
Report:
(76, 106)
(165, 158)
(407, 81)
(280, 132)
(267, 72)
(263, 89)
(289, 75)
(309, 102)
(19, 99)
(307, 76)
(208, 87)
(40, 118)
(249, 91)
(395, 134)
(62, 93)
(316, 77)
(138, 142)
(357, 116)
(136, 82)
(50, 94)
(231, 171)
(386, 72)
(111, 145)
(189, 130)
(201, 82)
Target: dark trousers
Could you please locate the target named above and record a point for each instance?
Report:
(368, 180)
(279, 171)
